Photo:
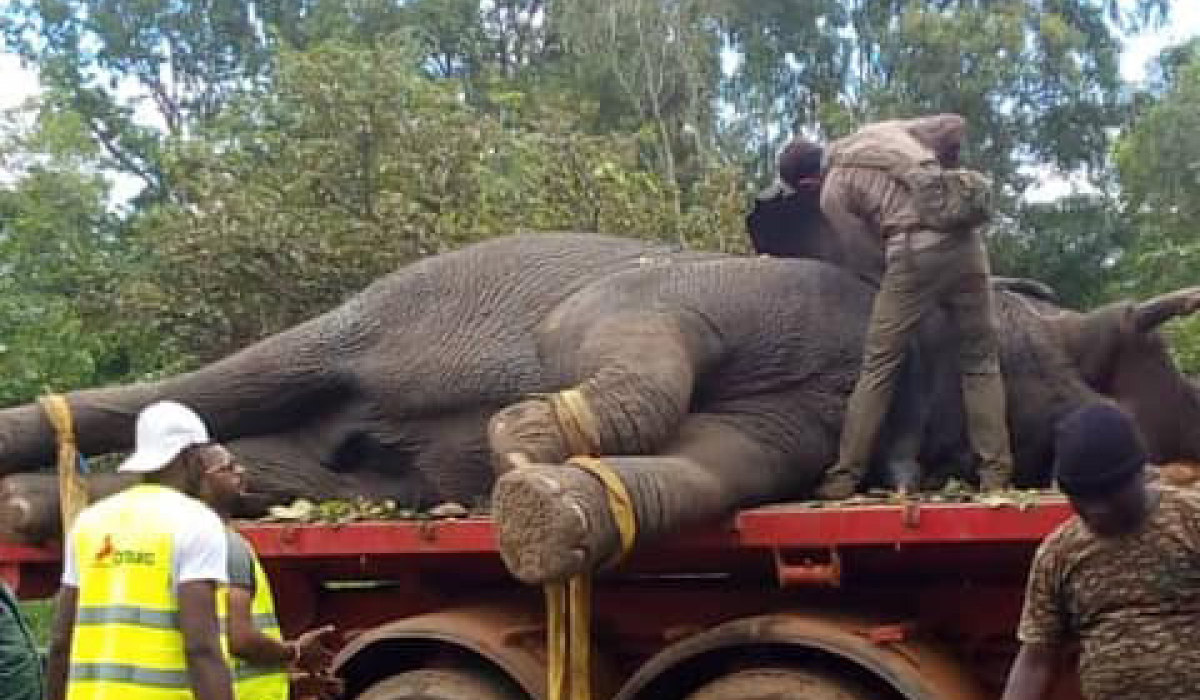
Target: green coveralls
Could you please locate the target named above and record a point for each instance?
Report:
(924, 268)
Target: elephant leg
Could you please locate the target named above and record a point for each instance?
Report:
(634, 378)
(554, 521)
(904, 425)
(29, 504)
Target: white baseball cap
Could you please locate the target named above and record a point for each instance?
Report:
(164, 429)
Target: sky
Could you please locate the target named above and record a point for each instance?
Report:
(1139, 51)
(18, 83)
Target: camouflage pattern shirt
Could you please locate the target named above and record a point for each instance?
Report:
(1132, 603)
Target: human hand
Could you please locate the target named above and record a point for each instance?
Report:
(312, 654)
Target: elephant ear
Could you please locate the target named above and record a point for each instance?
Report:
(1150, 314)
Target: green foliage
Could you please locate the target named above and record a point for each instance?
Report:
(1158, 162)
(1075, 244)
(61, 252)
(1037, 81)
(358, 162)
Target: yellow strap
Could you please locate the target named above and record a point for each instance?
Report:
(72, 491)
(579, 594)
(568, 605)
(576, 420)
(619, 500)
(557, 686)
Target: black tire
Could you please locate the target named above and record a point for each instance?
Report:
(780, 684)
(440, 684)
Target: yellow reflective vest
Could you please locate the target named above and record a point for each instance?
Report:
(253, 682)
(126, 644)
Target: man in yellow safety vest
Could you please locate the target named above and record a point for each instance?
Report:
(137, 612)
(260, 655)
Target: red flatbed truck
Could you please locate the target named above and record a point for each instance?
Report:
(862, 602)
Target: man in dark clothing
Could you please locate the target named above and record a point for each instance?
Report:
(1121, 579)
(20, 665)
(786, 220)
(785, 217)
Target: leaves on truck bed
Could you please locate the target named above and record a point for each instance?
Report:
(340, 512)
(954, 491)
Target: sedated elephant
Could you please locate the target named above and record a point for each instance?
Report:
(712, 382)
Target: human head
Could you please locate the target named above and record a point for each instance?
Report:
(1100, 465)
(223, 478)
(172, 446)
(944, 134)
(800, 164)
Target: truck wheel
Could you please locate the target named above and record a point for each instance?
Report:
(440, 684)
(778, 683)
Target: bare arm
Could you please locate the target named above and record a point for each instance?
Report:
(245, 641)
(58, 657)
(1032, 672)
(207, 669)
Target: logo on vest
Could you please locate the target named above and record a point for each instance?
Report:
(109, 555)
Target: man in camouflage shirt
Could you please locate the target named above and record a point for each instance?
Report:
(1121, 579)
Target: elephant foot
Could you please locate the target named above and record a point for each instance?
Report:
(17, 519)
(29, 505)
(529, 428)
(552, 522)
(29, 511)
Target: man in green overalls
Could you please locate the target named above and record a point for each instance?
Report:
(877, 189)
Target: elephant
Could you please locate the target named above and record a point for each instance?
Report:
(375, 397)
(705, 382)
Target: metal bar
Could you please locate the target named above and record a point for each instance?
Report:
(876, 525)
(760, 528)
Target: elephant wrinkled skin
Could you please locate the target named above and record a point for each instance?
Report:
(711, 382)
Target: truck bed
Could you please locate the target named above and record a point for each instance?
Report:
(796, 540)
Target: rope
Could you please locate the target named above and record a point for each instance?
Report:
(568, 603)
(72, 491)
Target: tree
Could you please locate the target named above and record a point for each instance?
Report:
(359, 162)
(1037, 80)
(1158, 162)
(61, 254)
(1075, 244)
(659, 59)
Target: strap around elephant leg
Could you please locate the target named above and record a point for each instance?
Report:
(620, 503)
(576, 421)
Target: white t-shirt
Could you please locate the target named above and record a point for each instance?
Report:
(200, 548)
